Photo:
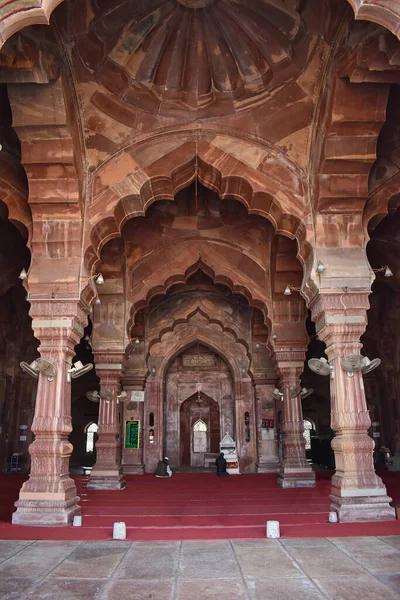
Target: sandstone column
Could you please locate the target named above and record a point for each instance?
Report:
(132, 458)
(107, 472)
(296, 471)
(357, 493)
(267, 459)
(49, 497)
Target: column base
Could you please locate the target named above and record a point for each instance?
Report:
(46, 513)
(106, 480)
(296, 478)
(363, 508)
(272, 467)
(133, 469)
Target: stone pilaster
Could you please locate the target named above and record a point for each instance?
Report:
(267, 455)
(49, 497)
(296, 471)
(107, 472)
(357, 493)
(132, 458)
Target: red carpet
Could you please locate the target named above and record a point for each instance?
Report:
(197, 506)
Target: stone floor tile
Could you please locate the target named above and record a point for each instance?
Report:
(284, 589)
(140, 590)
(305, 542)
(263, 542)
(208, 560)
(219, 589)
(392, 581)
(347, 540)
(359, 587)
(317, 560)
(67, 589)
(257, 562)
(379, 557)
(11, 589)
(393, 540)
(37, 560)
(9, 547)
(94, 560)
(149, 561)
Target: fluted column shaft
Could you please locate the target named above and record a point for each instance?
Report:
(107, 472)
(357, 492)
(295, 471)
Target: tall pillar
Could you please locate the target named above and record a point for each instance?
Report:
(153, 450)
(267, 459)
(49, 497)
(107, 472)
(357, 493)
(132, 410)
(296, 471)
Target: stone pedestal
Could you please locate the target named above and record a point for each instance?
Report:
(296, 471)
(107, 472)
(357, 493)
(49, 497)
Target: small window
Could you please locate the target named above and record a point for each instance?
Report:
(151, 420)
(90, 433)
(199, 426)
(308, 427)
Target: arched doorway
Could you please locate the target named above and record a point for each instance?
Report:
(200, 431)
(198, 407)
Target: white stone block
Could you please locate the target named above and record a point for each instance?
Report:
(77, 522)
(273, 529)
(333, 518)
(119, 531)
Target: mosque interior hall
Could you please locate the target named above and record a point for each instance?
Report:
(199, 253)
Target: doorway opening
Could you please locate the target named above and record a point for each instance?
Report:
(200, 432)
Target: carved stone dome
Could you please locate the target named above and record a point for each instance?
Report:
(210, 56)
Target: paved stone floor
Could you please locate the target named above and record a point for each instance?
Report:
(304, 569)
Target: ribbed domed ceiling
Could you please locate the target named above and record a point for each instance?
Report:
(211, 56)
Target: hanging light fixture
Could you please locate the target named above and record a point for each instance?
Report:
(100, 279)
(388, 272)
(23, 275)
(288, 291)
(321, 267)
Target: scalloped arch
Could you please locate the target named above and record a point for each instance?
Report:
(254, 296)
(273, 190)
(237, 360)
(383, 12)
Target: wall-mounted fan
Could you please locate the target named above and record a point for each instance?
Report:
(122, 396)
(370, 365)
(277, 394)
(40, 366)
(93, 396)
(356, 362)
(320, 366)
(78, 369)
(106, 396)
(305, 393)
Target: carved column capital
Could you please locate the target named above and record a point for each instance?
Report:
(341, 319)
